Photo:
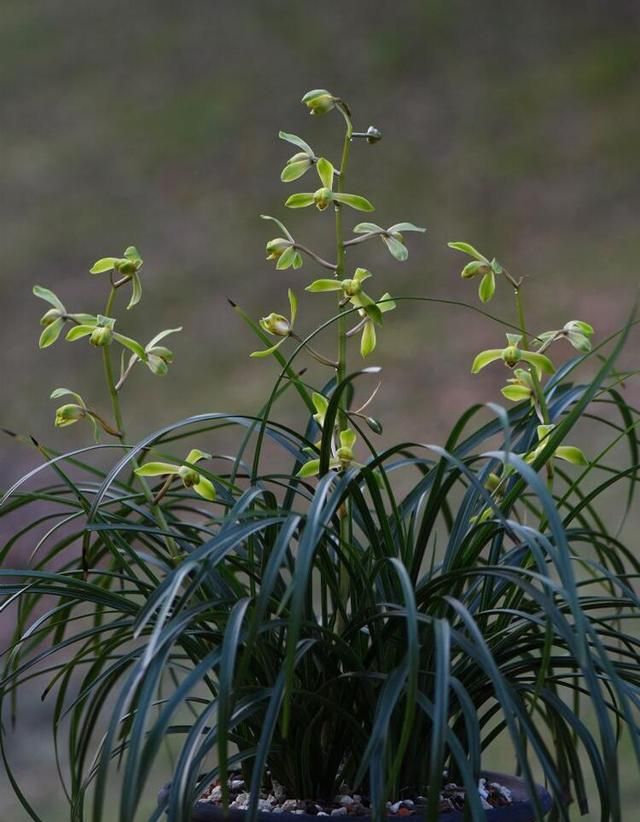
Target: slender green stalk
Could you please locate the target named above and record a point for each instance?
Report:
(314, 256)
(341, 371)
(340, 265)
(120, 432)
(108, 373)
(520, 311)
(541, 403)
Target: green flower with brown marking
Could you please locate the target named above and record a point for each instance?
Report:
(512, 355)
(279, 326)
(190, 476)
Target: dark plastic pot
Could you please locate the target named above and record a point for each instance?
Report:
(520, 810)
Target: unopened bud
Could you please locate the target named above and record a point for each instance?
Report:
(319, 101)
(374, 134)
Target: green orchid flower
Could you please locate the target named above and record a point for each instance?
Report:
(191, 478)
(480, 266)
(55, 318)
(495, 484)
(279, 326)
(568, 453)
(326, 195)
(71, 412)
(157, 359)
(520, 387)
(341, 460)
(100, 330)
(512, 355)
(351, 288)
(392, 237)
(319, 101)
(354, 294)
(576, 332)
(368, 341)
(283, 249)
(128, 266)
(300, 162)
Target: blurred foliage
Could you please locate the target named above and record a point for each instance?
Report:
(514, 125)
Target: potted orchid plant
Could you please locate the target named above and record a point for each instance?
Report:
(349, 634)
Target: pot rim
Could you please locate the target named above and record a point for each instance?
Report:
(520, 810)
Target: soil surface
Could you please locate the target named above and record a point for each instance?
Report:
(348, 803)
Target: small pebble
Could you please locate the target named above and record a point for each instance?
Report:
(339, 811)
(505, 792)
(346, 800)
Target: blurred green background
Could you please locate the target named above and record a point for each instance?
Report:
(511, 125)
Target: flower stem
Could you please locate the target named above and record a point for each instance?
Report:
(315, 354)
(341, 370)
(316, 257)
(540, 402)
(339, 271)
(108, 373)
(172, 548)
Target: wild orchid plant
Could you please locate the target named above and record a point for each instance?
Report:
(319, 627)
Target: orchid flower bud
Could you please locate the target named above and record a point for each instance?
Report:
(276, 324)
(374, 135)
(319, 101)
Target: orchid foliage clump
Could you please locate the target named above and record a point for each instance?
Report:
(372, 615)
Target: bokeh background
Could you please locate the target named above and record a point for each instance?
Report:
(512, 125)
